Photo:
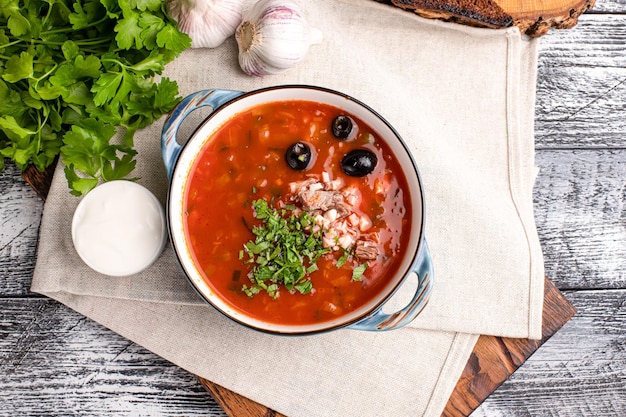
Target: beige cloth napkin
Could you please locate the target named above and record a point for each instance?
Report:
(463, 99)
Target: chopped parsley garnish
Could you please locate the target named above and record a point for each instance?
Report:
(285, 251)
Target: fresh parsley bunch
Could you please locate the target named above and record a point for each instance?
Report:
(75, 72)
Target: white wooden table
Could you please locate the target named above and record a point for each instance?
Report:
(54, 361)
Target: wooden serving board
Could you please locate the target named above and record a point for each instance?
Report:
(533, 17)
(491, 362)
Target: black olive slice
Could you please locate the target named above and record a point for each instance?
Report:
(359, 162)
(298, 156)
(342, 126)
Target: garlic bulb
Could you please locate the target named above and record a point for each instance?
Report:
(207, 22)
(273, 36)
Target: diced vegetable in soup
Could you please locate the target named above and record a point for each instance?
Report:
(297, 212)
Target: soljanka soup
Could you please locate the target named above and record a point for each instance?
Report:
(296, 212)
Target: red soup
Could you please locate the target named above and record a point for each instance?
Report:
(297, 213)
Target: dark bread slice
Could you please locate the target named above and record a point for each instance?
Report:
(485, 13)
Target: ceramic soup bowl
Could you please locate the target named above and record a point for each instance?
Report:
(181, 161)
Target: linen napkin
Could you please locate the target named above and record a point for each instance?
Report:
(463, 100)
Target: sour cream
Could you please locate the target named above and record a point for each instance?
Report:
(119, 229)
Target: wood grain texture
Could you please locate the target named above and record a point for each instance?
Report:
(54, 361)
(20, 215)
(537, 17)
(607, 6)
(483, 13)
(48, 353)
(40, 181)
(581, 85)
(532, 17)
(580, 371)
(580, 212)
(237, 405)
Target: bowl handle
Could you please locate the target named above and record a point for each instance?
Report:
(170, 148)
(379, 321)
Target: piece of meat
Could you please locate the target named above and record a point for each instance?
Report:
(313, 196)
(342, 209)
(365, 249)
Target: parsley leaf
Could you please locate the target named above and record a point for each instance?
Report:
(357, 273)
(12, 129)
(18, 67)
(129, 32)
(17, 24)
(106, 87)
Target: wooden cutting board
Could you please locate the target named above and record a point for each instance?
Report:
(492, 361)
(533, 17)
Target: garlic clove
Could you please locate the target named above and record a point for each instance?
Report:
(273, 36)
(207, 22)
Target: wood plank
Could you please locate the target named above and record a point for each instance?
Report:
(580, 371)
(589, 113)
(581, 85)
(482, 13)
(20, 215)
(608, 6)
(597, 41)
(580, 212)
(55, 361)
(235, 405)
(536, 18)
(40, 181)
(437, 10)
